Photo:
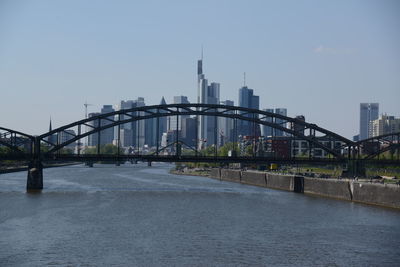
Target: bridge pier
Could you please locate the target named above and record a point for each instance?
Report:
(35, 176)
(355, 168)
(149, 163)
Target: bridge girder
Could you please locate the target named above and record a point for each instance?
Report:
(232, 112)
(389, 141)
(14, 140)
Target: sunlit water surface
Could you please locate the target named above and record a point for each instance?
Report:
(134, 215)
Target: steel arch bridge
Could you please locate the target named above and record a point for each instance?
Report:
(316, 138)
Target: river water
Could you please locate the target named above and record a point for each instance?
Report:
(134, 215)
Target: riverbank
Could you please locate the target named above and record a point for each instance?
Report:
(193, 172)
(366, 192)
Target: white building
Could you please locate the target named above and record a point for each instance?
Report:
(368, 112)
(384, 125)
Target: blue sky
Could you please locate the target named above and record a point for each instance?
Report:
(316, 58)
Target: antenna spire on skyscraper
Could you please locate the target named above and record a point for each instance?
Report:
(244, 79)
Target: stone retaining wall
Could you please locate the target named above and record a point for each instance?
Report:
(231, 175)
(282, 182)
(254, 178)
(328, 187)
(215, 173)
(377, 194)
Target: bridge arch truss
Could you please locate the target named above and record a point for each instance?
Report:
(96, 124)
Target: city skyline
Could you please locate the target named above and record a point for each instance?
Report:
(322, 71)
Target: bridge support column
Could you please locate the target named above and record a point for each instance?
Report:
(355, 169)
(35, 176)
(149, 163)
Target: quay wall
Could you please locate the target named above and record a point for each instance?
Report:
(231, 175)
(254, 178)
(282, 182)
(377, 194)
(328, 188)
(368, 193)
(215, 173)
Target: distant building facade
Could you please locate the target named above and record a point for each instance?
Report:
(281, 122)
(226, 125)
(247, 99)
(107, 135)
(384, 125)
(172, 121)
(93, 124)
(67, 135)
(368, 112)
(208, 94)
(133, 133)
(268, 131)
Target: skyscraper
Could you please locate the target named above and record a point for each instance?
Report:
(162, 126)
(207, 94)
(247, 99)
(134, 132)
(172, 120)
(208, 124)
(298, 127)
(107, 135)
(92, 139)
(368, 112)
(226, 125)
(267, 131)
(281, 122)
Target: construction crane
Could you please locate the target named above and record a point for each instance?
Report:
(86, 106)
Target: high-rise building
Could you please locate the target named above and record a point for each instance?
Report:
(368, 112)
(299, 128)
(207, 94)
(208, 124)
(384, 125)
(67, 135)
(226, 125)
(162, 122)
(188, 132)
(281, 122)
(268, 131)
(247, 99)
(172, 125)
(151, 131)
(135, 131)
(107, 135)
(93, 124)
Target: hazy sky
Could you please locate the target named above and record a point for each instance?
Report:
(315, 58)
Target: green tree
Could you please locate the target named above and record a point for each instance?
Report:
(108, 149)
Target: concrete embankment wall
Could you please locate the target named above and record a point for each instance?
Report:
(282, 182)
(368, 193)
(328, 188)
(377, 194)
(231, 175)
(215, 173)
(254, 178)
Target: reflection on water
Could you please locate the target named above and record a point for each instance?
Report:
(134, 215)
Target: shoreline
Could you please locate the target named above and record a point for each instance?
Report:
(363, 191)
